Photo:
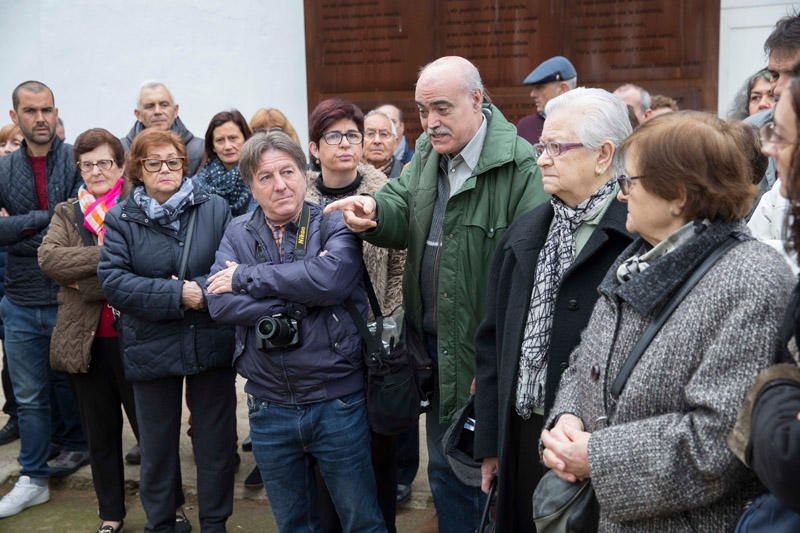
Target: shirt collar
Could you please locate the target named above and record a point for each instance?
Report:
(471, 153)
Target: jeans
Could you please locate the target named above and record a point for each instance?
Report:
(336, 434)
(27, 342)
(458, 506)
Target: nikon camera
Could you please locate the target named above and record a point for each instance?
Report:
(277, 332)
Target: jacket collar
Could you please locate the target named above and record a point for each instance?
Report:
(178, 127)
(650, 289)
(23, 148)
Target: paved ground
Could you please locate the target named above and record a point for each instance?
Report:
(73, 506)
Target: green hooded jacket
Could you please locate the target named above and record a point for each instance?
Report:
(505, 185)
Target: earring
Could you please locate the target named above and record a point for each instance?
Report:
(675, 212)
(316, 161)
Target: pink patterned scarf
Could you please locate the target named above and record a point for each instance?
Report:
(95, 209)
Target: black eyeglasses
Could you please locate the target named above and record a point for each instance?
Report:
(154, 165)
(625, 182)
(335, 137)
(103, 164)
(554, 149)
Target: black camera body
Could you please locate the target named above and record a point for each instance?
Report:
(277, 332)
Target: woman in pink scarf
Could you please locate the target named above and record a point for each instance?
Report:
(84, 342)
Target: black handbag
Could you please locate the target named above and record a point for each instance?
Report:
(399, 371)
(563, 507)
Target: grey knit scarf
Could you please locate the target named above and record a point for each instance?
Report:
(555, 258)
(168, 213)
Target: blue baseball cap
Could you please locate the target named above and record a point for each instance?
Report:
(556, 68)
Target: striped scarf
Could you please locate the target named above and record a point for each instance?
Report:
(95, 209)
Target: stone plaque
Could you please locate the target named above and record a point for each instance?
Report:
(370, 51)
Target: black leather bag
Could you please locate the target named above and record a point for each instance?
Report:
(399, 372)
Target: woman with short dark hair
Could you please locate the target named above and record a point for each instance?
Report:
(155, 274)
(85, 344)
(219, 174)
(655, 449)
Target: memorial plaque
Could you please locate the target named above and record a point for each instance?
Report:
(370, 51)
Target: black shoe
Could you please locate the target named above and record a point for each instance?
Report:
(403, 493)
(247, 444)
(253, 479)
(134, 455)
(10, 431)
(67, 463)
(182, 524)
(111, 529)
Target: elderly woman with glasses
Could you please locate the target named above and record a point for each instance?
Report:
(158, 250)
(542, 288)
(336, 133)
(85, 343)
(654, 446)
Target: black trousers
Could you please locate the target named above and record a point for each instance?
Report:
(212, 401)
(522, 473)
(384, 464)
(99, 393)
(408, 455)
(10, 405)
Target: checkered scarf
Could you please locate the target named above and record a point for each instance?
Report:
(95, 209)
(555, 258)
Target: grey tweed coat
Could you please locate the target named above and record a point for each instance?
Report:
(662, 463)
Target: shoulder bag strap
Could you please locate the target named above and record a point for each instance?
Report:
(665, 313)
(86, 235)
(373, 341)
(187, 244)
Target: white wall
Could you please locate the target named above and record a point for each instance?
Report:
(744, 26)
(212, 54)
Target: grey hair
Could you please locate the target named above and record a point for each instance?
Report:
(599, 116)
(375, 112)
(262, 142)
(571, 83)
(152, 84)
(470, 76)
(645, 101)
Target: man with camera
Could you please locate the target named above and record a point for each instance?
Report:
(282, 275)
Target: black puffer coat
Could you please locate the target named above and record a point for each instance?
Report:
(160, 337)
(22, 231)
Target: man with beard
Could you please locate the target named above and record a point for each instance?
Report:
(155, 108)
(33, 180)
(469, 179)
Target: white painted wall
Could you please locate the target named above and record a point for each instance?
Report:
(744, 26)
(212, 54)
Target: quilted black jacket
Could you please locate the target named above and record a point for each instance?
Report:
(22, 231)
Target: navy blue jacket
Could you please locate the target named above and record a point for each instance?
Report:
(22, 231)
(328, 364)
(160, 337)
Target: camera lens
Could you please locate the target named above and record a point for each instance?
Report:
(266, 327)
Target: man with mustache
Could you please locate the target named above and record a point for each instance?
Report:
(155, 108)
(32, 181)
(470, 178)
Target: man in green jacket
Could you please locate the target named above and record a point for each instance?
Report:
(470, 178)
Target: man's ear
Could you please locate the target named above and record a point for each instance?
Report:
(14, 117)
(137, 114)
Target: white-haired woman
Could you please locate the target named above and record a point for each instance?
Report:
(542, 288)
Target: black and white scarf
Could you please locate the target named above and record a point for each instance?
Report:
(555, 258)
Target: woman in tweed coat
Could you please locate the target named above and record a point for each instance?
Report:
(660, 461)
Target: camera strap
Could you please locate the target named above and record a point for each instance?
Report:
(301, 243)
(373, 341)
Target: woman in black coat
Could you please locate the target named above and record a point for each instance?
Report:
(542, 289)
(167, 333)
